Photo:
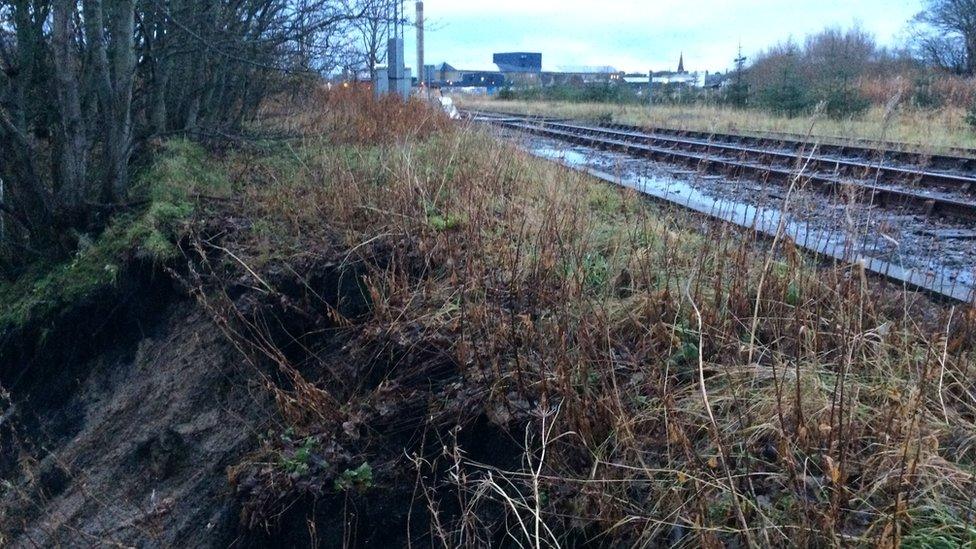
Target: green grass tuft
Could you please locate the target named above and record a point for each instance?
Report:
(181, 172)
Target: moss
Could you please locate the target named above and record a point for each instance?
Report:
(181, 172)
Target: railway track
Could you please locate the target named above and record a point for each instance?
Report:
(951, 159)
(825, 173)
(931, 192)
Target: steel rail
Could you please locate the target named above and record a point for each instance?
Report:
(941, 287)
(870, 193)
(877, 152)
(839, 166)
(766, 223)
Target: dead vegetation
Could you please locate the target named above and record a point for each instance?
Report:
(546, 361)
(469, 347)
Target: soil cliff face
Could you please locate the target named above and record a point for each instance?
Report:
(123, 438)
(135, 419)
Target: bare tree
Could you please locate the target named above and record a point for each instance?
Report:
(824, 71)
(840, 54)
(374, 30)
(946, 35)
(85, 83)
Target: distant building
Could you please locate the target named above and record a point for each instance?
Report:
(580, 75)
(430, 73)
(637, 80)
(523, 69)
(716, 80)
(482, 79)
(446, 74)
(587, 69)
(518, 62)
(680, 77)
(687, 78)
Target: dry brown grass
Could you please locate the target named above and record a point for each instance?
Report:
(928, 130)
(350, 116)
(659, 391)
(950, 91)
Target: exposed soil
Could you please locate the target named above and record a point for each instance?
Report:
(128, 444)
(138, 422)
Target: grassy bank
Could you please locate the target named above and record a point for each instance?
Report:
(165, 199)
(658, 384)
(928, 130)
(469, 346)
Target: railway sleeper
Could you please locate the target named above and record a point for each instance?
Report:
(721, 165)
(950, 181)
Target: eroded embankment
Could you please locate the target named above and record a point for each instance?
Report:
(220, 406)
(431, 337)
(181, 383)
(120, 427)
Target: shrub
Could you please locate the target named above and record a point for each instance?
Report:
(971, 117)
(925, 95)
(507, 94)
(843, 102)
(738, 94)
(360, 479)
(787, 97)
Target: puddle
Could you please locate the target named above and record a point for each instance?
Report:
(877, 253)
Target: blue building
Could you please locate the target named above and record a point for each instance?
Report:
(519, 62)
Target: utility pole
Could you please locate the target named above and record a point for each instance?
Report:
(397, 77)
(650, 88)
(739, 92)
(421, 72)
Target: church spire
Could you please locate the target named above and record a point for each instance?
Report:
(681, 64)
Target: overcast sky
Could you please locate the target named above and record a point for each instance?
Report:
(638, 35)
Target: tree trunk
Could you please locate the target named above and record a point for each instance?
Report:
(113, 86)
(158, 113)
(971, 55)
(119, 142)
(73, 165)
(30, 195)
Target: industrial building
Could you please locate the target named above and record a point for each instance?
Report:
(581, 76)
(446, 74)
(518, 62)
(483, 79)
(524, 69)
(520, 69)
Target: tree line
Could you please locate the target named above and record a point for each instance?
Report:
(825, 72)
(826, 69)
(87, 85)
(839, 71)
(945, 35)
